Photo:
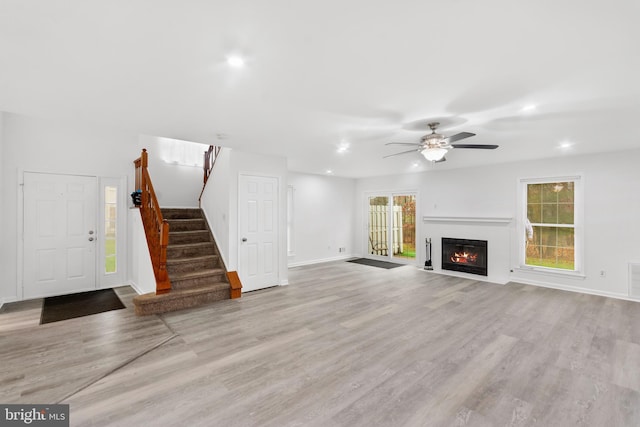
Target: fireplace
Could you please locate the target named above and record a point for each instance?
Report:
(467, 256)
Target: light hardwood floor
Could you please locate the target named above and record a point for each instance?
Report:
(342, 345)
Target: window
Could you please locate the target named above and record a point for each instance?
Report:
(111, 234)
(110, 228)
(551, 237)
(182, 153)
(392, 226)
(290, 246)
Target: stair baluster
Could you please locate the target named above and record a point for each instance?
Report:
(155, 227)
(210, 157)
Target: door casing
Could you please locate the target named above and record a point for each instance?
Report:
(101, 281)
(259, 255)
(60, 218)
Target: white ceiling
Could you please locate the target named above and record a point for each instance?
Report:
(323, 73)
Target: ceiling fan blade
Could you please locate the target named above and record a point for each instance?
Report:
(458, 137)
(403, 143)
(403, 152)
(480, 146)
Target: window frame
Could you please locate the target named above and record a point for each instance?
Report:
(290, 221)
(578, 223)
(117, 278)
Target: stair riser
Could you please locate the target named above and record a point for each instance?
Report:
(198, 281)
(180, 304)
(188, 225)
(191, 237)
(181, 213)
(183, 267)
(193, 251)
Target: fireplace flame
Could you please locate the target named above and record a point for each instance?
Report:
(464, 258)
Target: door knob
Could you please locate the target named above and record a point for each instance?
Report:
(91, 239)
(90, 231)
(244, 239)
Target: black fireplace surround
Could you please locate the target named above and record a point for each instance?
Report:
(464, 255)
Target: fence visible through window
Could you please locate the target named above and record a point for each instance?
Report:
(400, 239)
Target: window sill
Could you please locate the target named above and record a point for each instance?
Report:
(549, 272)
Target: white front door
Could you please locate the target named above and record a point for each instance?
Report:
(59, 234)
(258, 227)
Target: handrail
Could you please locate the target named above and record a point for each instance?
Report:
(210, 157)
(156, 228)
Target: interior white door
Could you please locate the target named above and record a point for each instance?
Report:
(258, 227)
(59, 234)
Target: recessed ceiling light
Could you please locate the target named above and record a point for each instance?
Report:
(343, 147)
(565, 145)
(235, 61)
(529, 108)
(329, 172)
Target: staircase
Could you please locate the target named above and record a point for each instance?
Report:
(195, 270)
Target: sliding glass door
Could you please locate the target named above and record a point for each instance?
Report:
(378, 225)
(391, 226)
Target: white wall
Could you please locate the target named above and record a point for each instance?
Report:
(3, 249)
(31, 144)
(215, 202)
(262, 165)
(324, 217)
(235, 164)
(175, 185)
(40, 145)
(612, 210)
(141, 276)
(387, 185)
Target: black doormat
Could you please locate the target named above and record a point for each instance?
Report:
(375, 263)
(66, 307)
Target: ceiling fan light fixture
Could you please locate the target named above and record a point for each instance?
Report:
(434, 154)
(235, 61)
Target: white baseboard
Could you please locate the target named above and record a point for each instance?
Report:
(577, 289)
(284, 283)
(135, 287)
(465, 276)
(319, 261)
(7, 300)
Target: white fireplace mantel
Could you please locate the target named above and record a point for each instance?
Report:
(468, 219)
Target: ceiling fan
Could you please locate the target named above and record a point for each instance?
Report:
(434, 146)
